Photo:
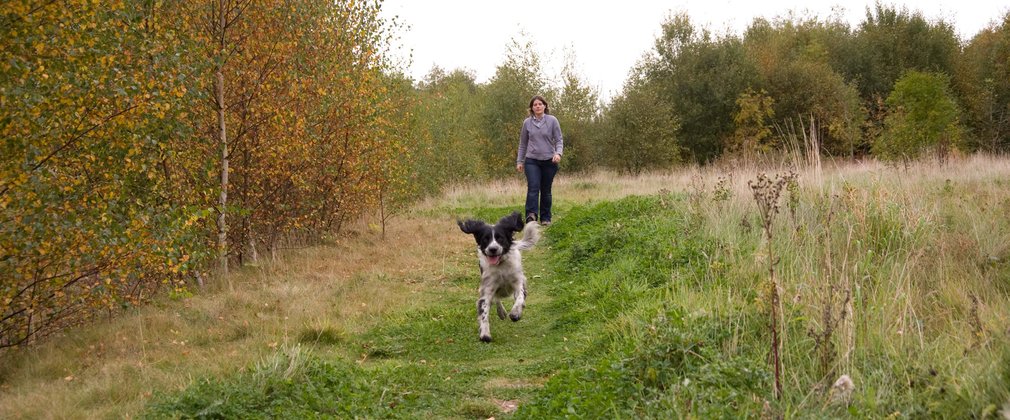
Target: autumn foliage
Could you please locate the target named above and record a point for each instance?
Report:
(113, 153)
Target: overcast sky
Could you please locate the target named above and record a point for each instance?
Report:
(609, 37)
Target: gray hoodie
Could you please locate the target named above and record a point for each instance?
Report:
(540, 140)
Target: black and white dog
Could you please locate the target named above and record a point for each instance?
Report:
(501, 268)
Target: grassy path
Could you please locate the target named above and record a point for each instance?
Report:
(446, 371)
(418, 356)
(433, 356)
(430, 361)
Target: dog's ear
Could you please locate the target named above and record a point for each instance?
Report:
(470, 225)
(513, 222)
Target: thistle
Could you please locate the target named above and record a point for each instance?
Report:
(766, 193)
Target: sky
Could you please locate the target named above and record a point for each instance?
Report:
(607, 38)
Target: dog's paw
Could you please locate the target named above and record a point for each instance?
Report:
(515, 317)
(485, 338)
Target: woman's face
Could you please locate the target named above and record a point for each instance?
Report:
(538, 108)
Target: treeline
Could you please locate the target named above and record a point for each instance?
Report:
(144, 140)
(896, 86)
(148, 143)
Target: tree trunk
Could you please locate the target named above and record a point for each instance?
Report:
(222, 222)
(382, 211)
(222, 227)
(252, 250)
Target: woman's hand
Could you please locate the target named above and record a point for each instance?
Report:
(519, 167)
(556, 158)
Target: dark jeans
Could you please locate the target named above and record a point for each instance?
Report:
(539, 177)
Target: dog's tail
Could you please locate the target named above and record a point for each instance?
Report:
(531, 235)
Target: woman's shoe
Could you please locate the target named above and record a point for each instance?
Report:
(531, 217)
(545, 223)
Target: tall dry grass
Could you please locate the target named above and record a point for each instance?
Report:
(877, 263)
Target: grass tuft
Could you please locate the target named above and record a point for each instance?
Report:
(325, 335)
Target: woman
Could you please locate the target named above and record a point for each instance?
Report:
(540, 148)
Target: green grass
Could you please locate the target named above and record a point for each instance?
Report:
(290, 384)
(614, 328)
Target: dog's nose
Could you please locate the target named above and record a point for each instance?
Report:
(493, 250)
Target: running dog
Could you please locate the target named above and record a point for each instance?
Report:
(501, 268)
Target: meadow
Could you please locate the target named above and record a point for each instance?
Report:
(650, 297)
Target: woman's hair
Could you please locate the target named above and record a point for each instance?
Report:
(547, 108)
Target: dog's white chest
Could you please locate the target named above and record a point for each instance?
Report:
(504, 276)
